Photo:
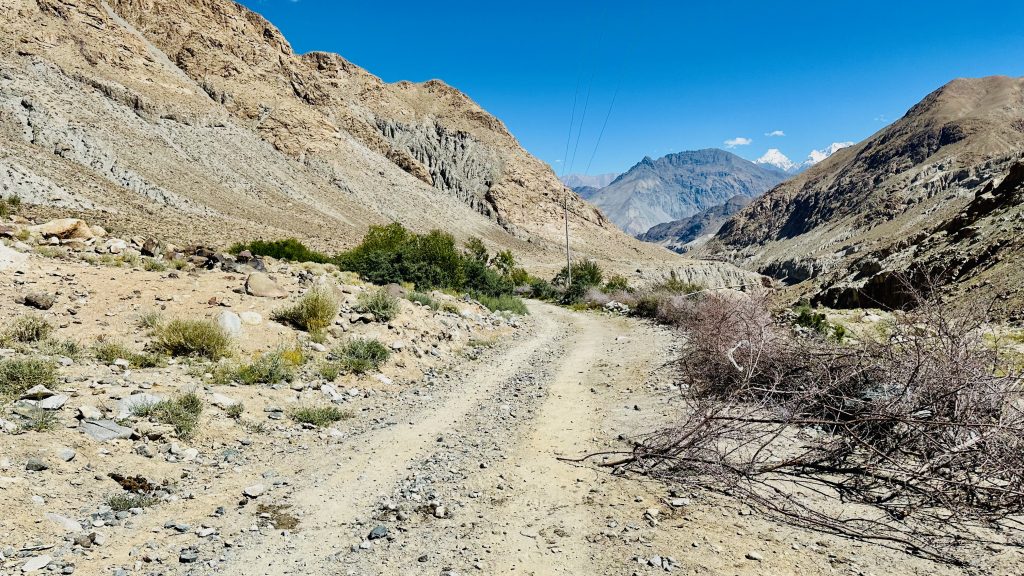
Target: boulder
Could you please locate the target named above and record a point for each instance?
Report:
(40, 300)
(105, 430)
(230, 323)
(66, 523)
(64, 229)
(10, 258)
(259, 284)
(251, 318)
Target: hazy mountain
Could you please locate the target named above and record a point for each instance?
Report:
(680, 185)
(939, 192)
(575, 181)
(682, 235)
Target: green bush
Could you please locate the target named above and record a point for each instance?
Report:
(107, 351)
(314, 311)
(361, 355)
(422, 299)
(29, 329)
(505, 303)
(586, 274)
(269, 368)
(617, 283)
(319, 416)
(674, 285)
(287, 249)
(19, 374)
(126, 501)
(194, 338)
(9, 206)
(808, 318)
(382, 304)
(182, 413)
(54, 347)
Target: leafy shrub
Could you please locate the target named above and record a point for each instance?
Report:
(673, 284)
(151, 320)
(808, 318)
(361, 355)
(504, 303)
(314, 311)
(319, 416)
(19, 374)
(28, 329)
(182, 413)
(53, 347)
(126, 501)
(195, 338)
(422, 299)
(382, 304)
(287, 249)
(269, 368)
(107, 351)
(9, 206)
(40, 421)
(586, 274)
(617, 283)
(234, 411)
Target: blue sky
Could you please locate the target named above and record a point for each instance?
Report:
(689, 74)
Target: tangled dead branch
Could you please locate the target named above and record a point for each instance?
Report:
(914, 438)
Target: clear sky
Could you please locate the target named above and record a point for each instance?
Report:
(689, 74)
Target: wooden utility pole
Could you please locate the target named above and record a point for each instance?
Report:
(568, 256)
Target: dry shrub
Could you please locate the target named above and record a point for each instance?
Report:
(911, 440)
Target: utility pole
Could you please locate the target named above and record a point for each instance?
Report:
(568, 256)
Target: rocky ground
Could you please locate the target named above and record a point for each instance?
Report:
(446, 464)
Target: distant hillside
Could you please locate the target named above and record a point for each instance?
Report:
(939, 193)
(575, 181)
(679, 235)
(680, 185)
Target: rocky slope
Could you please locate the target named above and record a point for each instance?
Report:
(195, 121)
(682, 235)
(680, 185)
(935, 194)
(598, 181)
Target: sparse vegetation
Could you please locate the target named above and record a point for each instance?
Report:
(54, 347)
(319, 416)
(193, 338)
(40, 421)
(382, 304)
(19, 374)
(811, 319)
(361, 355)
(153, 265)
(235, 411)
(125, 501)
(181, 412)
(313, 312)
(151, 320)
(108, 351)
(28, 329)
(269, 368)
(422, 299)
(504, 303)
(9, 206)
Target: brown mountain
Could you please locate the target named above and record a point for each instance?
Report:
(936, 194)
(194, 120)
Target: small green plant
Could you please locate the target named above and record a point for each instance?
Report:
(808, 318)
(269, 368)
(9, 206)
(150, 320)
(181, 412)
(617, 283)
(329, 371)
(381, 303)
(361, 355)
(479, 343)
(585, 274)
(107, 351)
(422, 299)
(193, 338)
(126, 501)
(67, 348)
(28, 329)
(504, 303)
(319, 416)
(19, 374)
(40, 421)
(674, 285)
(449, 308)
(153, 265)
(234, 411)
(313, 312)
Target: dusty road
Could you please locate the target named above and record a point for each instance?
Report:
(468, 481)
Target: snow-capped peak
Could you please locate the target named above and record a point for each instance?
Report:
(817, 156)
(775, 157)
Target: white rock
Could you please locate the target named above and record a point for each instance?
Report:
(254, 491)
(66, 523)
(222, 401)
(53, 402)
(89, 413)
(251, 318)
(37, 563)
(230, 322)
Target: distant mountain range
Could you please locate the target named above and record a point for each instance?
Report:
(679, 185)
(682, 235)
(774, 158)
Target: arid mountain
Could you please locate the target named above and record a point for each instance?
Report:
(194, 120)
(575, 181)
(683, 235)
(936, 194)
(680, 185)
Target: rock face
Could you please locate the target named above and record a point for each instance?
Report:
(195, 121)
(936, 194)
(259, 284)
(680, 235)
(680, 185)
